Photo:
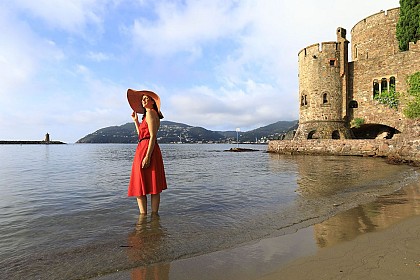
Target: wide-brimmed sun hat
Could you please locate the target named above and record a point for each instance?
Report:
(134, 99)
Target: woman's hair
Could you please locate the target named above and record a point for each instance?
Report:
(155, 108)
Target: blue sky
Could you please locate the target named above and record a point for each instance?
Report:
(65, 65)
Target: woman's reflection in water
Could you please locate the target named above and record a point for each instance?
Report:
(146, 248)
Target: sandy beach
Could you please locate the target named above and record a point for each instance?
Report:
(393, 253)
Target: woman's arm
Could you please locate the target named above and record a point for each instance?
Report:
(153, 122)
(136, 121)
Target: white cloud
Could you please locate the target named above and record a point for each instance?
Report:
(98, 56)
(72, 16)
(226, 109)
(22, 55)
(185, 27)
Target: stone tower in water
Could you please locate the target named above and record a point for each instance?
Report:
(323, 90)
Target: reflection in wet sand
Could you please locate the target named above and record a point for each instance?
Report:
(350, 182)
(325, 176)
(145, 242)
(380, 214)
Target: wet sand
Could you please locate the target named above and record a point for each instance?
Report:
(393, 253)
(378, 240)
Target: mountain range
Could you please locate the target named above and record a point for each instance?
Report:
(172, 132)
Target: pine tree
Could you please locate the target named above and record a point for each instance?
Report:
(408, 26)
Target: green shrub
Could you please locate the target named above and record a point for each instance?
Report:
(357, 122)
(388, 97)
(412, 111)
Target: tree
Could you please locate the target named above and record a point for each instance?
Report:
(408, 26)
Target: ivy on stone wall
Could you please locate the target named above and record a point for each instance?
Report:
(412, 110)
(388, 97)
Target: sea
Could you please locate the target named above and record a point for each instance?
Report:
(65, 214)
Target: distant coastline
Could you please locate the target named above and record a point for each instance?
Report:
(19, 142)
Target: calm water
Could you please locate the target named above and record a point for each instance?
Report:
(65, 214)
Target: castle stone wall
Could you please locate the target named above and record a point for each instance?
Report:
(408, 150)
(405, 147)
(362, 75)
(375, 36)
(322, 130)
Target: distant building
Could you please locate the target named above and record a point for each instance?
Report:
(334, 91)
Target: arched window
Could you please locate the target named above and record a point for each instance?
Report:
(353, 104)
(303, 99)
(324, 98)
(392, 82)
(311, 134)
(384, 85)
(375, 88)
(335, 135)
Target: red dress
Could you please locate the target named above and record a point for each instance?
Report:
(150, 180)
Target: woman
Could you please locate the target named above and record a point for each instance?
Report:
(147, 174)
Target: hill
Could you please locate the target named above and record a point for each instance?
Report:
(172, 132)
(272, 131)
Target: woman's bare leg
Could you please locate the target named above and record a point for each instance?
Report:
(155, 203)
(142, 202)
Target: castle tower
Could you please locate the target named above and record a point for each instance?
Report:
(323, 90)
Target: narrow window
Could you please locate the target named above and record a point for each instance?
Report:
(355, 51)
(392, 82)
(302, 100)
(324, 98)
(384, 85)
(332, 62)
(375, 88)
(305, 101)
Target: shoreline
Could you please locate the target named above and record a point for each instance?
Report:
(30, 142)
(396, 151)
(377, 240)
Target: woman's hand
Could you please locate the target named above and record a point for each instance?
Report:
(146, 162)
(134, 116)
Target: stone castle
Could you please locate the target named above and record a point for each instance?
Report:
(333, 91)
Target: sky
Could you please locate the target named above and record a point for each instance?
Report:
(65, 66)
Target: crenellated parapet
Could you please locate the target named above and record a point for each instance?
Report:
(319, 49)
(375, 36)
